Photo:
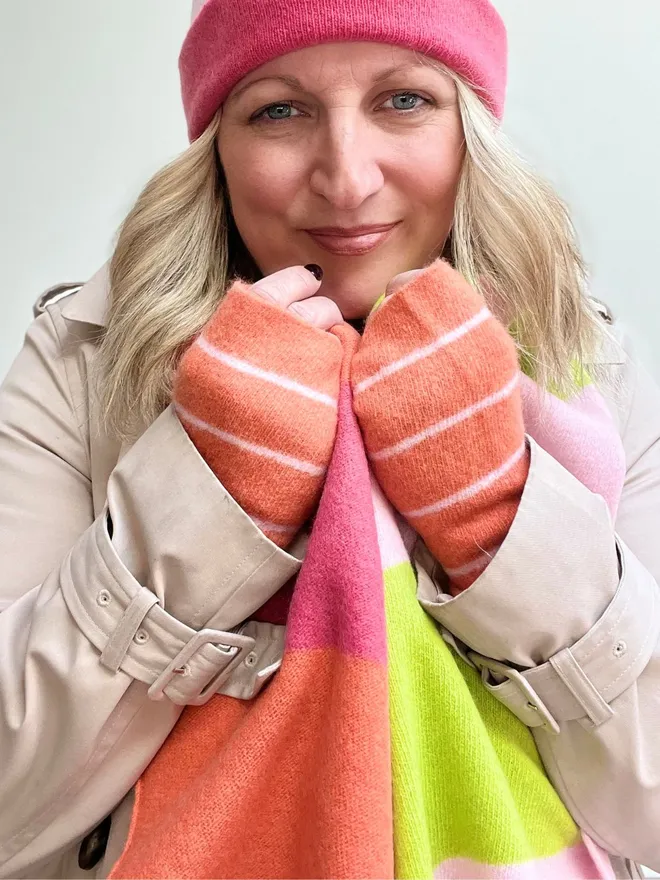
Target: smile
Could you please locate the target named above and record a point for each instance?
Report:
(352, 242)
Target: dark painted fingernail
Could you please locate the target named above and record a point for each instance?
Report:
(316, 270)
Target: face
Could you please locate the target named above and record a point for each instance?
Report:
(347, 155)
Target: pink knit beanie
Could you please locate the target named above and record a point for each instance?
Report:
(230, 38)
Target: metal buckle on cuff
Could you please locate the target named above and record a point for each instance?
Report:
(234, 645)
(534, 702)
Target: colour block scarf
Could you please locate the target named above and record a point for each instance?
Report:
(375, 751)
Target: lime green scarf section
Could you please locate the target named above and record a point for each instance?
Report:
(467, 779)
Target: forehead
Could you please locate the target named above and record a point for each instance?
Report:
(338, 65)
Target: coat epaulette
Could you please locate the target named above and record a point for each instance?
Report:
(603, 310)
(53, 294)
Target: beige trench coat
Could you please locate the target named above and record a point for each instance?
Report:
(564, 623)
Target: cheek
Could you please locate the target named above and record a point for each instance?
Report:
(261, 179)
(432, 172)
(262, 182)
(435, 182)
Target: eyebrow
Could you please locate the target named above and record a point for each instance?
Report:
(397, 68)
(291, 81)
(294, 83)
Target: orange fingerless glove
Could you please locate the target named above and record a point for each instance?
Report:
(435, 385)
(257, 394)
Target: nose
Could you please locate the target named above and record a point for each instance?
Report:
(346, 170)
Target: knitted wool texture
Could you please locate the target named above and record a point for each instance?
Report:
(374, 752)
(436, 392)
(257, 393)
(228, 40)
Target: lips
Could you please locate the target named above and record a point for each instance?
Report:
(351, 242)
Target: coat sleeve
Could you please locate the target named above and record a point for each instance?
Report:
(93, 627)
(564, 625)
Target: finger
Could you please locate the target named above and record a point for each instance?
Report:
(401, 280)
(287, 286)
(319, 311)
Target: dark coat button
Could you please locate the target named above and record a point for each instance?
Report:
(93, 847)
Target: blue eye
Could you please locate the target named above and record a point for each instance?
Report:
(275, 112)
(407, 101)
(278, 111)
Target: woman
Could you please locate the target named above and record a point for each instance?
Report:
(163, 449)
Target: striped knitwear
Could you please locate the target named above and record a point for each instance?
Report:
(257, 393)
(436, 392)
(375, 751)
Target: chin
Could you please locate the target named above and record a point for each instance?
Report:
(356, 293)
(357, 283)
(353, 304)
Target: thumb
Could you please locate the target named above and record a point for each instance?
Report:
(401, 280)
(288, 286)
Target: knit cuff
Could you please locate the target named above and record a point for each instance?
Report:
(257, 393)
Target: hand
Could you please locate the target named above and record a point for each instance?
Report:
(435, 386)
(257, 393)
(401, 280)
(295, 289)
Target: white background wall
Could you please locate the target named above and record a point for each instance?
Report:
(90, 108)
(583, 104)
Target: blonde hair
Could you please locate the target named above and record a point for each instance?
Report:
(177, 250)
